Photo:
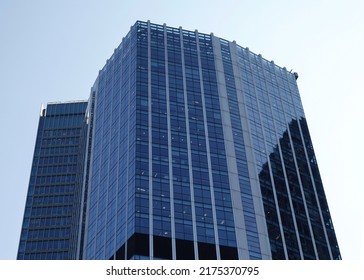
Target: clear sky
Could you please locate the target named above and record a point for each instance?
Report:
(53, 50)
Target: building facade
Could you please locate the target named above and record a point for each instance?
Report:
(52, 210)
(197, 148)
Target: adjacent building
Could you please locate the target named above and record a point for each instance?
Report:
(190, 147)
(52, 210)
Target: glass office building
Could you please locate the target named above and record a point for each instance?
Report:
(52, 212)
(197, 148)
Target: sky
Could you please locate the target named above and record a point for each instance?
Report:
(53, 50)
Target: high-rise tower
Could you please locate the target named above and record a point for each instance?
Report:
(198, 148)
(52, 211)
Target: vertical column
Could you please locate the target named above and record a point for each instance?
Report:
(238, 213)
(253, 176)
(193, 209)
(212, 193)
(82, 232)
(169, 132)
(150, 167)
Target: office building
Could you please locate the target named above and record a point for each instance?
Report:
(196, 148)
(52, 211)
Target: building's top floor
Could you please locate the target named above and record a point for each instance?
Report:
(195, 34)
(64, 108)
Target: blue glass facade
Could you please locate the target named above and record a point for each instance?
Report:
(201, 151)
(298, 219)
(197, 148)
(52, 211)
(111, 195)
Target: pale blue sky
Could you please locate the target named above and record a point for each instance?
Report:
(53, 50)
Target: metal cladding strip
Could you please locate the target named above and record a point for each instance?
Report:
(101, 117)
(194, 226)
(241, 236)
(170, 166)
(239, 145)
(251, 162)
(212, 193)
(108, 161)
(116, 245)
(130, 138)
(150, 167)
(86, 178)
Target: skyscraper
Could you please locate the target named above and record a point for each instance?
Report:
(52, 210)
(193, 147)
